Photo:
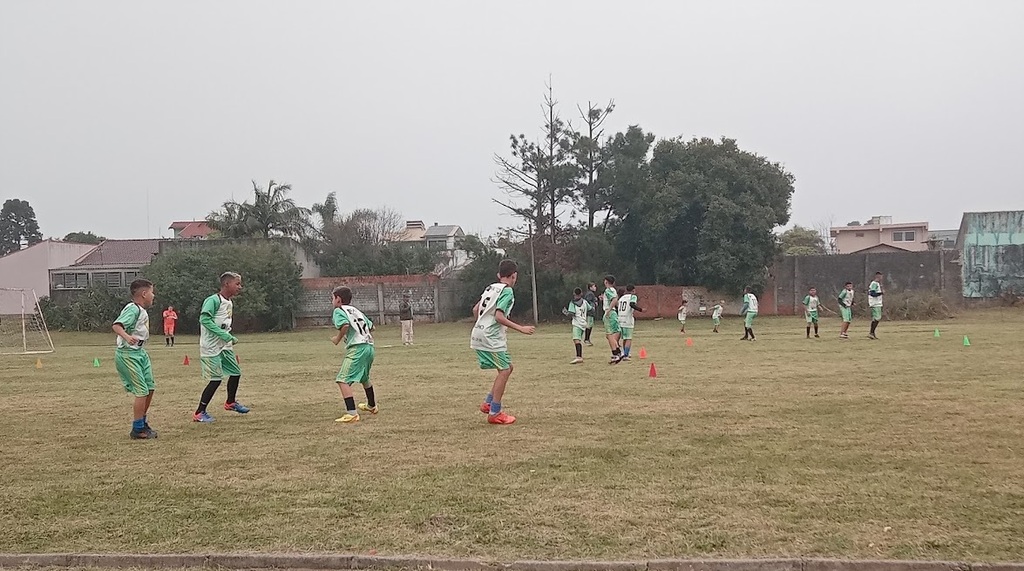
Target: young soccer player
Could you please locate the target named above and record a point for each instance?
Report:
(875, 293)
(489, 340)
(611, 318)
(170, 320)
(131, 359)
(627, 305)
(846, 309)
(356, 329)
(216, 347)
(749, 312)
(716, 315)
(595, 307)
(811, 305)
(681, 314)
(579, 308)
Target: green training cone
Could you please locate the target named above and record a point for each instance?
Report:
(96, 362)
(936, 332)
(967, 342)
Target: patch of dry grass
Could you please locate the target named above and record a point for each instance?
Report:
(908, 447)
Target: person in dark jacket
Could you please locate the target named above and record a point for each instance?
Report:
(405, 316)
(595, 309)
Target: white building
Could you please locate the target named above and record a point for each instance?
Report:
(30, 267)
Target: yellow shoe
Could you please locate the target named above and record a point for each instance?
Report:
(348, 418)
(366, 408)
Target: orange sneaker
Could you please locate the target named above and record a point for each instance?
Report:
(500, 418)
(485, 408)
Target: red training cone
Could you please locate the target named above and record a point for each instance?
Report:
(654, 372)
(185, 362)
(689, 341)
(643, 353)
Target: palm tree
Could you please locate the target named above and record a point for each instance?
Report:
(271, 213)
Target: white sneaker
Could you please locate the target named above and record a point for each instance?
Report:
(576, 361)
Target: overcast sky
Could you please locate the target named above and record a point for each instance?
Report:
(913, 109)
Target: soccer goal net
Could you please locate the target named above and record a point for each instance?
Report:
(22, 327)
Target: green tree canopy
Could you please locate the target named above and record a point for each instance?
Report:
(271, 213)
(83, 238)
(272, 289)
(800, 241)
(18, 226)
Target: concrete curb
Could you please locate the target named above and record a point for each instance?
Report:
(330, 561)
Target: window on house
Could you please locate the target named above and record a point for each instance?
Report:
(70, 281)
(904, 236)
(109, 279)
(129, 277)
(859, 234)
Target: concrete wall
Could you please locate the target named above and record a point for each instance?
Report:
(30, 268)
(992, 244)
(376, 296)
(936, 271)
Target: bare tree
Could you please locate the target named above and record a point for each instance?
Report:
(590, 159)
(375, 227)
(518, 177)
(824, 229)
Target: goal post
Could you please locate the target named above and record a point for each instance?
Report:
(22, 326)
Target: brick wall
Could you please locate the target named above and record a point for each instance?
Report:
(376, 296)
(663, 301)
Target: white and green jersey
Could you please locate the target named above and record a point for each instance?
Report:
(359, 325)
(716, 313)
(609, 302)
(875, 300)
(811, 303)
(626, 310)
(750, 300)
(580, 310)
(135, 321)
(846, 298)
(215, 326)
(681, 315)
(488, 334)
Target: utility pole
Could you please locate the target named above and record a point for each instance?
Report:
(533, 270)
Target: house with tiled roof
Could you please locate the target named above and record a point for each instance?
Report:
(113, 263)
(443, 238)
(194, 230)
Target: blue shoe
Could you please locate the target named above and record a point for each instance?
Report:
(202, 417)
(237, 407)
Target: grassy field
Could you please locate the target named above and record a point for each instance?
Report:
(907, 447)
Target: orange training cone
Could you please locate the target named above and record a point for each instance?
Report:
(653, 373)
(689, 341)
(185, 362)
(643, 353)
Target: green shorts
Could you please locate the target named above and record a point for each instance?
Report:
(611, 324)
(876, 313)
(590, 322)
(217, 367)
(355, 368)
(577, 334)
(812, 316)
(716, 320)
(847, 313)
(501, 361)
(135, 370)
(749, 321)
(627, 333)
